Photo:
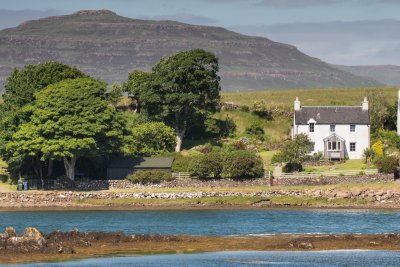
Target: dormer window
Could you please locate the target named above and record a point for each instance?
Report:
(332, 128)
(311, 127)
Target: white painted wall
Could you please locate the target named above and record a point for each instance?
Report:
(361, 137)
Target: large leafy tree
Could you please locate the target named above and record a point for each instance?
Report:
(20, 88)
(149, 139)
(182, 90)
(70, 119)
(294, 152)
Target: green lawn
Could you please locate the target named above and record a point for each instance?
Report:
(354, 164)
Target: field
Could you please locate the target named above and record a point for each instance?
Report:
(309, 97)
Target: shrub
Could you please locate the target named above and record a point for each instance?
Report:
(242, 164)
(244, 108)
(181, 163)
(369, 155)
(261, 110)
(292, 167)
(227, 127)
(3, 178)
(386, 164)
(255, 129)
(149, 177)
(207, 166)
(377, 148)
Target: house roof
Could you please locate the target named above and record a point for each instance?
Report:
(141, 163)
(332, 115)
(333, 137)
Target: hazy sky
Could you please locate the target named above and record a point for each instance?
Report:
(348, 32)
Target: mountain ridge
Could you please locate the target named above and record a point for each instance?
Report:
(109, 46)
(388, 74)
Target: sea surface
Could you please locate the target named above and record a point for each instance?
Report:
(207, 222)
(248, 258)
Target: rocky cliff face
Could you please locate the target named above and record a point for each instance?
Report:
(109, 46)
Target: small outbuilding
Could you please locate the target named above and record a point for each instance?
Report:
(119, 168)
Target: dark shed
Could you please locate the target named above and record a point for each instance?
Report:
(120, 168)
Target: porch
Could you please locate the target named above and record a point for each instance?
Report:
(334, 147)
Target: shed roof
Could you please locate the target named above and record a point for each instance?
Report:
(332, 115)
(141, 163)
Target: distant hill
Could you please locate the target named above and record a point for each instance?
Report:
(109, 46)
(387, 74)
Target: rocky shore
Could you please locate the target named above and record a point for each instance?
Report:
(378, 198)
(34, 246)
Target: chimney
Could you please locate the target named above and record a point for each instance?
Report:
(297, 104)
(398, 114)
(365, 104)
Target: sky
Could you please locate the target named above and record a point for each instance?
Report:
(346, 32)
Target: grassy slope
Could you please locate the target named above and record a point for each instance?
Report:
(283, 99)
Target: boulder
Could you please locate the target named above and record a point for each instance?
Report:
(31, 240)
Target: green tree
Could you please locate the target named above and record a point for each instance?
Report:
(137, 86)
(70, 119)
(379, 110)
(182, 90)
(21, 85)
(20, 88)
(294, 151)
(149, 139)
(115, 93)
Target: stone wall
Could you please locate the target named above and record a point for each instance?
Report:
(96, 185)
(178, 183)
(291, 181)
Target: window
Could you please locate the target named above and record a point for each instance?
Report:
(352, 128)
(352, 147)
(334, 146)
(332, 128)
(311, 127)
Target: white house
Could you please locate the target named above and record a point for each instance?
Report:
(336, 131)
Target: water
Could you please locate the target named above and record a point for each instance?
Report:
(208, 222)
(252, 258)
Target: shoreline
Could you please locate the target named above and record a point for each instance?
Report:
(65, 246)
(190, 207)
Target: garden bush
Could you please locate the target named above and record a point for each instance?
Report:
(292, 167)
(242, 164)
(386, 164)
(256, 129)
(244, 108)
(207, 166)
(3, 178)
(149, 177)
(181, 163)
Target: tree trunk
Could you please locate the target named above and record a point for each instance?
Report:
(179, 138)
(50, 169)
(70, 167)
(37, 167)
